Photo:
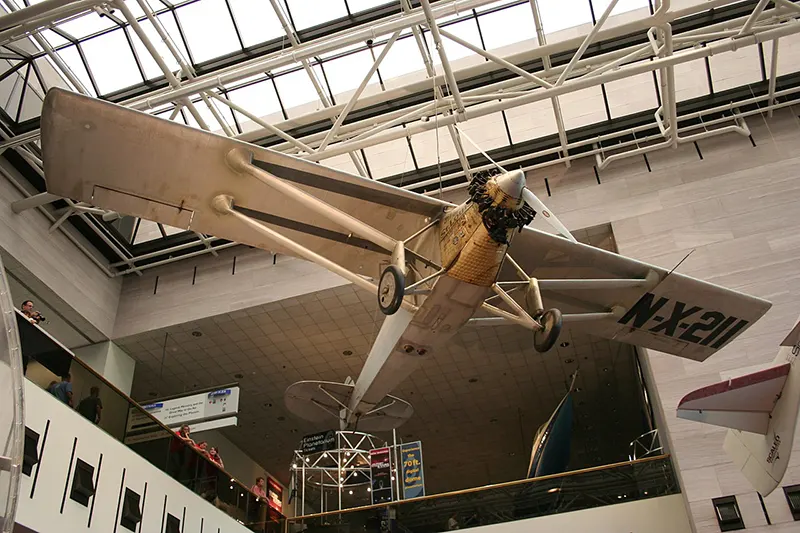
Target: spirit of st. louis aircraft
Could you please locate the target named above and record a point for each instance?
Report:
(433, 266)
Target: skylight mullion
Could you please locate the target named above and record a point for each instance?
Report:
(38, 74)
(235, 25)
(278, 94)
(291, 19)
(480, 31)
(325, 77)
(88, 70)
(135, 54)
(239, 129)
(183, 37)
(12, 70)
(23, 92)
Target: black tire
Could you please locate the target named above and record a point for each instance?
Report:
(551, 322)
(391, 290)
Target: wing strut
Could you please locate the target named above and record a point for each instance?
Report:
(224, 204)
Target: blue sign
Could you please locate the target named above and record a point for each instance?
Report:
(413, 476)
(152, 406)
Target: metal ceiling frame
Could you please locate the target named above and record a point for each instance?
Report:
(654, 43)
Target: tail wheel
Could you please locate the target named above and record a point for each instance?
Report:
(545, 338)
(391, 290)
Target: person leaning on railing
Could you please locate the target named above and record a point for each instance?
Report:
(213, 454)
(34, 317)
(258, 488)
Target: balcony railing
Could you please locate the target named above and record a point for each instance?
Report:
(45, 360)
(493, 504)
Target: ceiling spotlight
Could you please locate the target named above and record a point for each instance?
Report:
(197, 334)
(232, 480)
(307, 459)
(619, 497)
(350, 492)
(369, 489)
(294, 465)
(238, 376)
(153, 394)
(231, 487)
(569, 361)
(564, 344)
(554, 489)
(392, 478)
(473, 380)
(347, 454)
(347, 353)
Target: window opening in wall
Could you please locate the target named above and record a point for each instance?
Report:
(30, 456)
(131, 512)
(82, 483)
(792, 494)
(728, 515)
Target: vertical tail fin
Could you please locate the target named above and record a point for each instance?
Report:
(761, 409)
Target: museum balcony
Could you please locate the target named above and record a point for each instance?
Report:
(84, 473)
(638, 495)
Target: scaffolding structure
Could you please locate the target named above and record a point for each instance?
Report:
(342, 472)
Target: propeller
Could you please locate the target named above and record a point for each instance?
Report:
(527, 196)
(532, 200)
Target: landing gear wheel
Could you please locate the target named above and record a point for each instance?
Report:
(391, 290)
(545, 338)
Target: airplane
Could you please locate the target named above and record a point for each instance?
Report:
(551, 444)
(760, 408)
(433, 266)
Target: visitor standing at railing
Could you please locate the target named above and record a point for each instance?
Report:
(91, 407)
(63, 390)
(258, 488)
(33, 316)
(213, 454)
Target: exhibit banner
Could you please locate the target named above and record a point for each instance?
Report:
(380, 464)
(197, 409)
(274, 494)
(318, 442)
(411, 466)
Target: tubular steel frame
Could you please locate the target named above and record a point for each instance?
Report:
(448, 105)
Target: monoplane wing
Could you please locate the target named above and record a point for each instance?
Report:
(667, 312)
(137, 164)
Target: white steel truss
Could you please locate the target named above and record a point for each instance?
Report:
(348, 124)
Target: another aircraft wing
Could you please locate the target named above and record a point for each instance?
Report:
(137, 164)
(680, 315)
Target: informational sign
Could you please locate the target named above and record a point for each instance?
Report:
(197, 409)
(411, 467)
(380, 463)
(318, 442)
(274, 494)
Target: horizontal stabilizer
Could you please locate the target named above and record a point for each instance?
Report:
(742, 403)
(325, 401)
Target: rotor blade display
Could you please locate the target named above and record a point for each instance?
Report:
(532, 200)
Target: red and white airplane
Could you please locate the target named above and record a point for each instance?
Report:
(433, 266)
(761, 410)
